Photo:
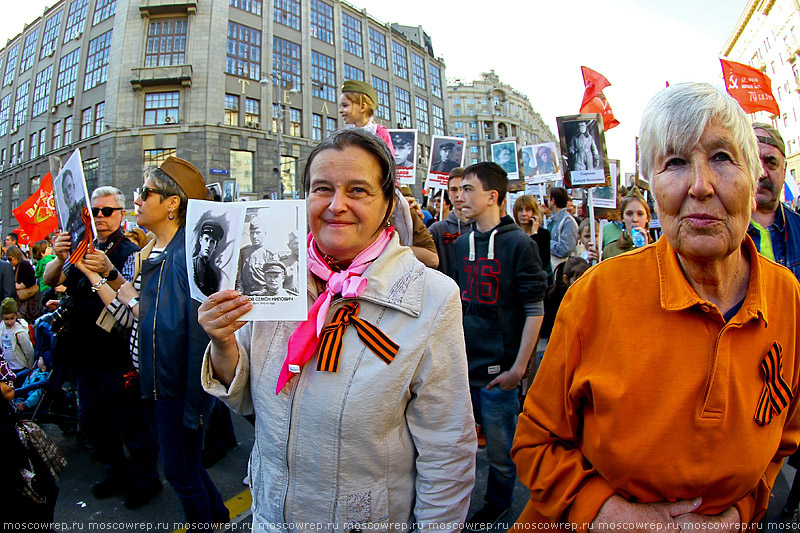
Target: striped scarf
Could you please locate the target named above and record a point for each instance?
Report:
(777, 394)
(349, 283)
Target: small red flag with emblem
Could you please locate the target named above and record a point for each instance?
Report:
(22, 237)
(750, 87)
(37, 214)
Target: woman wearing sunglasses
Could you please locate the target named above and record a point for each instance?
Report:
(167, 342)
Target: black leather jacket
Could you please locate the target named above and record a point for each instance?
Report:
(171, 342)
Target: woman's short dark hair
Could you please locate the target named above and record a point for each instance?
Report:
(571, 268)
(560, 196)
(575, 266)
(15, 252)
(492, 177)
(373, 145)
(170, 188)
(38, 249)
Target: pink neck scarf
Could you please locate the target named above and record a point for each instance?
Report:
(348, 283)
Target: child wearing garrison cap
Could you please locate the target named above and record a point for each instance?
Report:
(357, 105)
(15, 338)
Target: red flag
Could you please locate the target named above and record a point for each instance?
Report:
(594, 83)
(750, 87)
(22, 236)
(37, 214)
(599, 104)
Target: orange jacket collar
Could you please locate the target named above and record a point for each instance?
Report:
(677, 294)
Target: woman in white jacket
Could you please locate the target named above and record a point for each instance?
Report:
(371, 426)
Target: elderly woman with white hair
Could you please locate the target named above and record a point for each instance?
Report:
(684, 422)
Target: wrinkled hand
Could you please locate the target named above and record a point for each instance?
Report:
(52, 304)
(126, 293)
(97, 261)
(219, 315)
(62, 245)
(617, 511)
(508, 380)
(728, 521)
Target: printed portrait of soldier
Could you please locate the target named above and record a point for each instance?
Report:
(73, 200)
(207, 273)
(583, 152)
(403, 149)
(254, 256)
(447, 159)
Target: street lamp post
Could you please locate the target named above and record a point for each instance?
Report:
(264, 82)
(275, 80)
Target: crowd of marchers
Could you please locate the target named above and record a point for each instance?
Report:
(666, 396)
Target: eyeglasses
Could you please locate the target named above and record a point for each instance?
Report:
(107, 211)
(144, 192)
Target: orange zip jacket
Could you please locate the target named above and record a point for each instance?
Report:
(646, 392)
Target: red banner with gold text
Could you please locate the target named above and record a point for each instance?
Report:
(750, 87)
(37, 214)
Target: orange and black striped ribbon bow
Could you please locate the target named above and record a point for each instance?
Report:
(776, 394)
(329, 348)
(450, 237)
(86, 242)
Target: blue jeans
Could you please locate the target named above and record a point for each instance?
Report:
(498, 411)
(180, 449)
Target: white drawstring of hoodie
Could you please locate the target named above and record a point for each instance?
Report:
(490, 253)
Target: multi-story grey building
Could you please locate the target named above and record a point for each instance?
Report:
(221, 83)
(486, 111)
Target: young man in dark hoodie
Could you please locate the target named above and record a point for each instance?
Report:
(445, 232)
(502, 293)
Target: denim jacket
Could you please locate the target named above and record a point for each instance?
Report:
(791, 235)
(171, 342)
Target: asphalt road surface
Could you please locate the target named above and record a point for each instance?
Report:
(78, 510)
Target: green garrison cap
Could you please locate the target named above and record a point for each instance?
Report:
(355, 86)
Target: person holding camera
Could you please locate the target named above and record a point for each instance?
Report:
(108, 411)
